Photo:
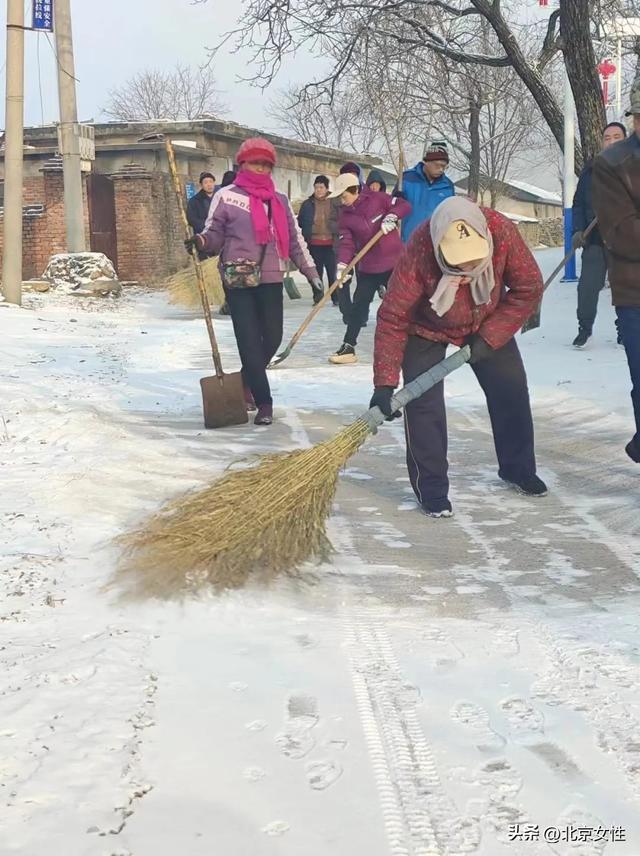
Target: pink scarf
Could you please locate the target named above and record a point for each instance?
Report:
(261, 190)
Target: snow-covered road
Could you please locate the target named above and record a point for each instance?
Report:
(437, 688)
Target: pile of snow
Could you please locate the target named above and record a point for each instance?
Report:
(83, 274)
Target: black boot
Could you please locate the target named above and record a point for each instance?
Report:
(581, 339)
(531, 486)
(633, 451)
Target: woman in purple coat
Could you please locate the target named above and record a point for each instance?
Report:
(251, 220)
(363, 214)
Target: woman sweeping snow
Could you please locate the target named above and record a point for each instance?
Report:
(363, 214)
(253, 229)
(465, 277)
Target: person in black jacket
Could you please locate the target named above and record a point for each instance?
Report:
(198, 206)
(318, 221)
(594, 260)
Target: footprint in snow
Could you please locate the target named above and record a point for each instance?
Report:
(525, 721)
(322, 774)
(476, 719)
(276, 827)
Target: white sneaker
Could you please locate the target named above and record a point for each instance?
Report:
(346, 355)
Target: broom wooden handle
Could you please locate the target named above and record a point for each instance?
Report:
(417, 387)
(206, 308)
(531, 323)
(344, 276)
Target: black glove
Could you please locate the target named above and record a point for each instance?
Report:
(578, 240)
(398, 194)
(195, 241)
(480, 350)
(382, 398)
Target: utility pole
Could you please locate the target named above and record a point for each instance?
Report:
(569, 178)
(13, 154)
(69, 135)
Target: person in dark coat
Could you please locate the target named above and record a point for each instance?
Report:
(466, 277)
(318, 221)
(227, 178)
(363, 214)
(616, 199)
(198, 206)
(594, 258)
(376, 182)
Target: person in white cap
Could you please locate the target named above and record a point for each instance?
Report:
(363, 214)
(466, 277)
(616, 199)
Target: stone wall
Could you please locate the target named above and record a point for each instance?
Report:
(548, 233)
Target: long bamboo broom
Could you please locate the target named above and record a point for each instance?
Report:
(259, 522)
(183, 287)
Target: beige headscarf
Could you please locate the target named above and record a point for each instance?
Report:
(482, 278)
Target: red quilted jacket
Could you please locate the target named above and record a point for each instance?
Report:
(406, 310)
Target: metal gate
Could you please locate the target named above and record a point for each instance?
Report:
(102, 217)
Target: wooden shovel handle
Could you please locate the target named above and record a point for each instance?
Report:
(345, 275)
(206, 308)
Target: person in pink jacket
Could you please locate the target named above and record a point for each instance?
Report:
(364, 213)
(250, 220)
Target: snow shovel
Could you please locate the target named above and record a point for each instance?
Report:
(290, 286)
(223, 394)
(345, 275)
(533, 322)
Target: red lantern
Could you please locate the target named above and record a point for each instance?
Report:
(543, 2)
(606, 69)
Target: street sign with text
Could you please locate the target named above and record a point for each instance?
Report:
(43, 15)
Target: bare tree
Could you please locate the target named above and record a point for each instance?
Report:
(274, 29)
(180, 93)
(343, 124)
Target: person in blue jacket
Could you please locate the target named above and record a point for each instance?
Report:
(425, 186)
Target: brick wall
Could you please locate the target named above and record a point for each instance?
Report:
(44, 233)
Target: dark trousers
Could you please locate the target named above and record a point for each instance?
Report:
(368, 285)
(629, 327)
(592, 279)
(324, 259)
(504, 383)
(256, 314)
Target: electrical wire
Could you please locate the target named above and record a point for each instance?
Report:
(55, 53)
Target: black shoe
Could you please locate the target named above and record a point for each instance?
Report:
(531, 486)
(581, 339)
(633, 451)
(437, 507)
(345, 355)
(224, 309)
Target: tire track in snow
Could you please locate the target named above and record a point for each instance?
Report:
(419, 817)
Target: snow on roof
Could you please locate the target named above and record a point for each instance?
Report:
(532, 190)
(519, 218)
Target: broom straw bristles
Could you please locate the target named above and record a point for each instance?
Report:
(183, 287)
(261, 522)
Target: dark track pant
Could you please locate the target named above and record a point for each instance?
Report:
(368, 285)
(324, 259)
(629, 327)
(256, 314)
(504, 383)
(592, 279)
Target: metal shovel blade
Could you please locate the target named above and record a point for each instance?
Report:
(223, 401)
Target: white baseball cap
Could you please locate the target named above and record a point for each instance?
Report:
(344, 182)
